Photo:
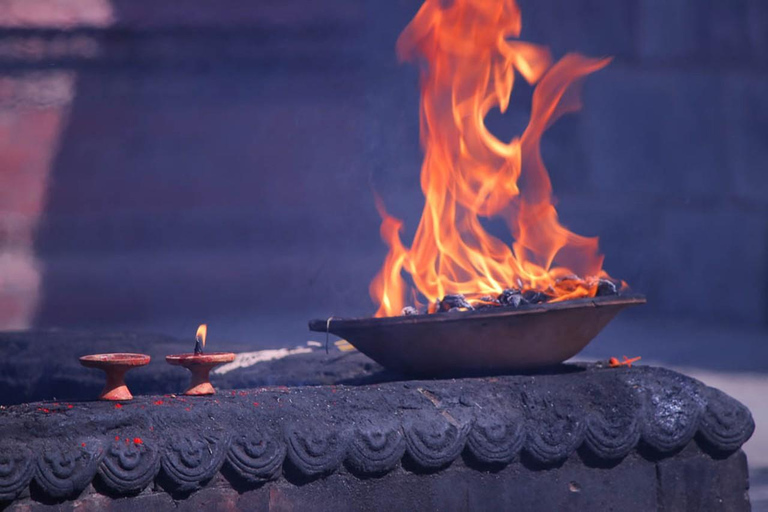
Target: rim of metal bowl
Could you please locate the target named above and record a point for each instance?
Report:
(328, 324)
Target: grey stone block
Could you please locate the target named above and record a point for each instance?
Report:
(655, 132)
(391, 149)
(693, 483)
(729, 38)
(672, 30)
(713, 31)
(259, 134)
(714, 264)
(746, 135)
(628, 230)
(593, 27)
(564, 154)
(688, 261)
(758, 30)
(140, 287)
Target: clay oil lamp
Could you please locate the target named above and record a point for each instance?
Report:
(200, 364)
(115, 366)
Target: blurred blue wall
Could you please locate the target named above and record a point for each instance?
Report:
(218, 159)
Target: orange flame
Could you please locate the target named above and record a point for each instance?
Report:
(202, 331)
(469, 174)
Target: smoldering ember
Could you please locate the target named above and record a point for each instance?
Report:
(468, 65)
(473, 384)
(511, 297)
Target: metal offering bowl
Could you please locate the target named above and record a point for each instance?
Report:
(488, 340)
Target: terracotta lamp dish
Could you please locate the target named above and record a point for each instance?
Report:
(488, 340)
(115, 366)
(200, 366)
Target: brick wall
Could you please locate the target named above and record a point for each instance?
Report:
(219, 160)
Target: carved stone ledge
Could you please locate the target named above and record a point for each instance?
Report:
(245, 439)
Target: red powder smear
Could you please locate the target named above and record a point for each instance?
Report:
(159, 402)
(43, 409)
(118, 406)
(82, 444)
(127, 441)
(117, 438)
(243, 393)
(255, 404)
(234, 393)
(70, 406)
(333, 391)
(137, 440)
(56, 404)
(187, 408)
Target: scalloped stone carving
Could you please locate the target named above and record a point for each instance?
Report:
(496, 436)
(608, 411)
(191, 459)
(555, 426)
(672, 411)
(612, 426)
(17, 467)
(725, 424)
(377, 445)
(256, 456)
(65, 469)
(129, 465)
(316, 447)
(432, 440)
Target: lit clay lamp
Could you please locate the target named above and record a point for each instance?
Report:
(115, 366)
(200, 364)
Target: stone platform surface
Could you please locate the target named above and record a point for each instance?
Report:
(43, 365)
(582, 437)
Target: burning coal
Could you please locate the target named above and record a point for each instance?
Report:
(469, 54)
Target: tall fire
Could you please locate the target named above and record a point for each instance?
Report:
(469, 53)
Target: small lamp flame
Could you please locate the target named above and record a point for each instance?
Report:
(200, 339)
